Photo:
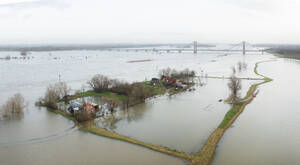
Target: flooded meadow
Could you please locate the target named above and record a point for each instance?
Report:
(182, 122)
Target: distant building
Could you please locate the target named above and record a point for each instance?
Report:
(154, 81)
(74, 107)
(89, 107)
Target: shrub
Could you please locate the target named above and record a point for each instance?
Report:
(13, 106)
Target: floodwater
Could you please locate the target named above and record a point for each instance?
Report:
(182, 122)
(267, 132)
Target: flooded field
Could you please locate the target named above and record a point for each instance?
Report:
(189, 117)
(267, 131)
(82, 148)
(182, 122)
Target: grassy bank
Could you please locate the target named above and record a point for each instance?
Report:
(94, 94)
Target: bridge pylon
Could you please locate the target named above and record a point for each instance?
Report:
(244, 47)
(195, 47)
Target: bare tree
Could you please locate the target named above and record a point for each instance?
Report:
(234, 86)
(172, 73)
(120, 87)
(165, 72)
(233, 70)
(99, 83)
(62, 89)
(54, 93)
(7, 57)
(84, 116)
(140, 92)
(241, 66)
(111, 103)
(245, 65)
(51, 97)
(13, 106)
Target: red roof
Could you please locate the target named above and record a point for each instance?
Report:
(88, 107)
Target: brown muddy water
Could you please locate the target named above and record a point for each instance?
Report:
(267, 132)
(182, 122)
(47, 138)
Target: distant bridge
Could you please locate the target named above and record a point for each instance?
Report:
(195, 49)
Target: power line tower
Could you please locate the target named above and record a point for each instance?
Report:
(195, 47)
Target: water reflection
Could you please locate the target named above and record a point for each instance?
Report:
(176, 122)
(135, 113)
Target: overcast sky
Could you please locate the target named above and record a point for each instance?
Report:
(149, 21)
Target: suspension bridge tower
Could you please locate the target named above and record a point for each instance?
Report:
(244, 47)
(195, 47)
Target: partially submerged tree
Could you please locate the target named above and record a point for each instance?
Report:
(233, 70)
(99, 83)
(165, 72)
(54, 93)
(120, 87)
(7, 57)
(140, 92)
(111, 103)
(51, 97)
(241, 66)
(13, 106)
(82, 116)
(62, 89)
(172, 73)
(234, 86)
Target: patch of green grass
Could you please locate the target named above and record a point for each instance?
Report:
(94, 94)
(230, 115)
(157, 89)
